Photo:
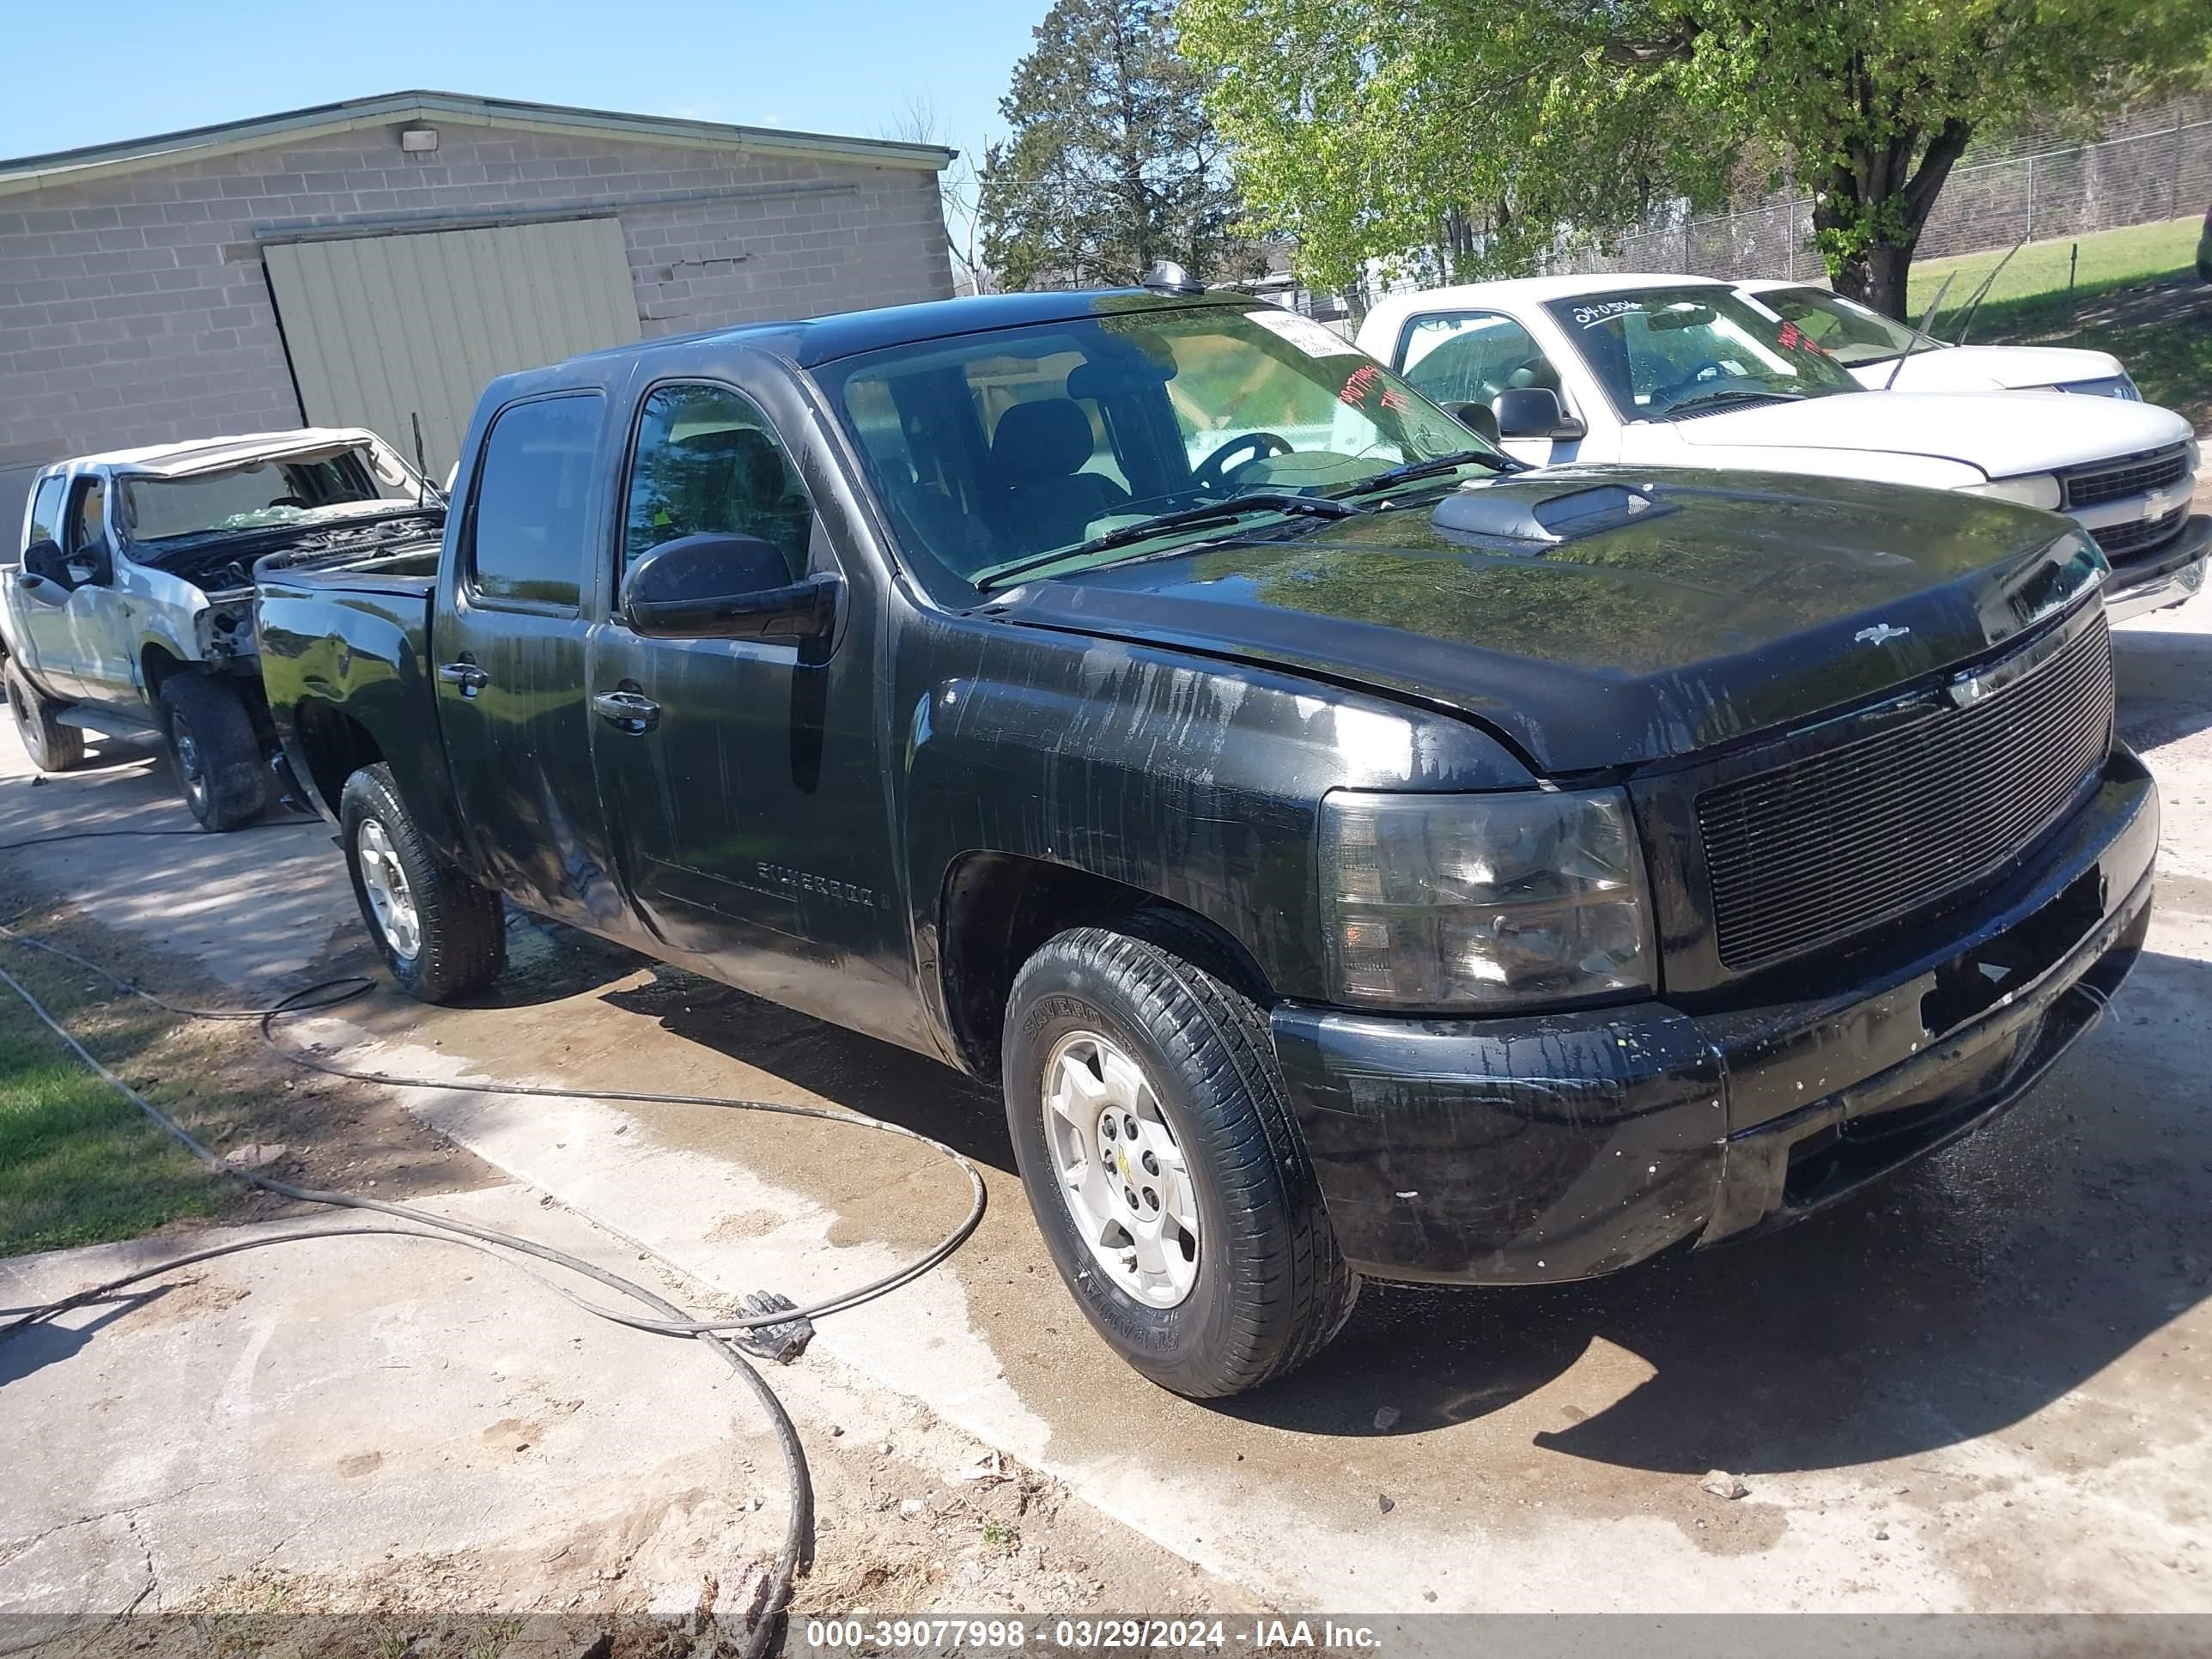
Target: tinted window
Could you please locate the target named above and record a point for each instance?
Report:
(707, 464)
(47, 513)
(1470, 356)
(527, 530)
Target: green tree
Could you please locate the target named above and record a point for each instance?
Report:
(1480, 128)
(1111, 161)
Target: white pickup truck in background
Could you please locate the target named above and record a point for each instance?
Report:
(1684, 371)
(1885, 356)
(129, 615)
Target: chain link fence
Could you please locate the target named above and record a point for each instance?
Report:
(2163, 172)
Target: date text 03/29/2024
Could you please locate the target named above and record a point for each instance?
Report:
(892, 1636)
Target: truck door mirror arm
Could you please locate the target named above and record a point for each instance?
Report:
(725, 587)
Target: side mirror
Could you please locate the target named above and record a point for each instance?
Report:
(1534, 411)
(1478, 418)
(43, 558)
(725, 587)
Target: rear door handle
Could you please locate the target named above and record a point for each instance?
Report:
(628, 711)
(470, 678)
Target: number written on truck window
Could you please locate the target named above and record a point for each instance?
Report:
(707, 464)
(527, 529)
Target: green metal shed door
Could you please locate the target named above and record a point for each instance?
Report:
(382, 328)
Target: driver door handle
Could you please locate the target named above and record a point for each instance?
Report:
(470, 678)
(628, 711)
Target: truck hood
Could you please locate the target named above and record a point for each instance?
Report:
(1730, 604)
(1990, 369)
(2003, 435)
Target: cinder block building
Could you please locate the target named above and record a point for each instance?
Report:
(374, 263)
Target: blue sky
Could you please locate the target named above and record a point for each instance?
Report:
(844, 66)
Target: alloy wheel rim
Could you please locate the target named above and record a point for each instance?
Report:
(1116, 1161)
(389, 893)
(188, 755)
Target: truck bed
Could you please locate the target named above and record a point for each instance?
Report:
(344, 643)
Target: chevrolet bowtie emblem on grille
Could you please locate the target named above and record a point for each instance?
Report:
(1880, 634)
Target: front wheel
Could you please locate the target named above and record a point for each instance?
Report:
(214, 750)
(442, 936)
(1153, 1135)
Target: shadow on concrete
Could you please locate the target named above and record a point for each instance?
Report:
(36, 1347)
(105, 755)
(2162, 677)
(879, 1079)
(1971, 1291)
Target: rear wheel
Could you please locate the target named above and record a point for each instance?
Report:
(1154, 1137)
(51, 746)
(442, 936)
(214, 750)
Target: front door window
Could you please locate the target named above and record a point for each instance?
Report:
(708, 464)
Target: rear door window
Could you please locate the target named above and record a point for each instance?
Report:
(528, 526)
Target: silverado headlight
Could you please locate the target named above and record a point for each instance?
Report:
(2030, 489)
(1482, 901)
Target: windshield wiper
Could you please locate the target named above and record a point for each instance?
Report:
(1771, 394)
(1187, 518)
(1412, 470)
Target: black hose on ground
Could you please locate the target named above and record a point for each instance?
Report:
(797, 1553)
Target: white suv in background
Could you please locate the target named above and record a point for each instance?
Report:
(1684, 371)
(1886, 355)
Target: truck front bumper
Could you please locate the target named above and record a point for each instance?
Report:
(1545, 1148)
(2165, 576)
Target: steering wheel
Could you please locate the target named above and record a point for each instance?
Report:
(289, 501)
(1708, 370)
(1213, 473)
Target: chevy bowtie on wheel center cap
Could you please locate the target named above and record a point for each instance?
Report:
(1119, 1169)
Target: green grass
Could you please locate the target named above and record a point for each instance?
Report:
(2171, 360)
(2110, 260)
(79, 1164)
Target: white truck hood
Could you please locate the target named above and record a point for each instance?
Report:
(2003, 434)
(1990, 369)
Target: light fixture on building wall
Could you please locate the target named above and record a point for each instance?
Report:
(418, 140)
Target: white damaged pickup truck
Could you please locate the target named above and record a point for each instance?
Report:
(130, 614)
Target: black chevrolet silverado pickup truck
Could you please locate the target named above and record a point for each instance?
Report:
(1356, 855)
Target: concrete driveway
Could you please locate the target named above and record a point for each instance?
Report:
(1984, 1390)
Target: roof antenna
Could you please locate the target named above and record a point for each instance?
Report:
(422, 471)
(1975, 304)
(1927, 318)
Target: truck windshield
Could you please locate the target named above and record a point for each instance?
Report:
(261, 495)
(991, 449)
(1663, 353)
(1850, 332)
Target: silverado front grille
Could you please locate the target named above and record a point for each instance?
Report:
(1819, 850)
(2112, 481)
(2118, 540)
